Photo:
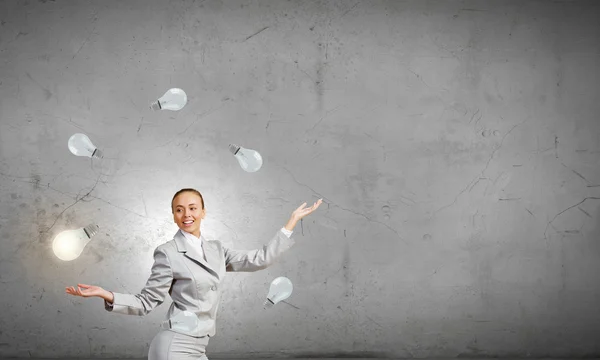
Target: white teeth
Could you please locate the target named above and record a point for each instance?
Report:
(188, 222)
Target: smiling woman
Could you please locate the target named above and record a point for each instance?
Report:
(190, 268)
(188, 210)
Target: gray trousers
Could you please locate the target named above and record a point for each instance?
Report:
(169, 345)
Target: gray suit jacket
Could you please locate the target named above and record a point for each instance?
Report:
(192, 281)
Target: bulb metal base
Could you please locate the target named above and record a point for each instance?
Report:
(155, 105)
(98, 154)
(268, 303)
(234, 148)
(91, 230)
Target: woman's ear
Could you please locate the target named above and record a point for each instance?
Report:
(203, 213)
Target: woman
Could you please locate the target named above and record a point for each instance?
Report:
(189, 268)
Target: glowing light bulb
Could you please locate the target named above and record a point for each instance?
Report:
(185, 322)
(174, 99)
(281, 289)
(81, 145)
(69, 244)
(250, 160)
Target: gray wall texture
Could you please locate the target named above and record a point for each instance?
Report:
(456, 145)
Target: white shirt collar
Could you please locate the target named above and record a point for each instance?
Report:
(191, 237)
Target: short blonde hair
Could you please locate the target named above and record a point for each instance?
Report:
(187, 190)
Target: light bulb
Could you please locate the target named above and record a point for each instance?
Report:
(281, 289)
(81, 145)
(69, 244)
(250, 160)
(185, 321)
(174, 99)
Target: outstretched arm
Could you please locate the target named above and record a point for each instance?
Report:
(258, 259)
(84, 290)
(153, 294)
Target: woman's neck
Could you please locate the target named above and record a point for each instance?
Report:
(193, 233)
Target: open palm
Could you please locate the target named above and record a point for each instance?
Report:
(84, 290)
(302, 210)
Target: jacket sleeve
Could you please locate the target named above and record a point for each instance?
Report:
(154, 292)
(258, 259)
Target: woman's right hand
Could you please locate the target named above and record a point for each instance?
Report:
(87, 291)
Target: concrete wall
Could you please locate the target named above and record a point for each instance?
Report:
(455, 144)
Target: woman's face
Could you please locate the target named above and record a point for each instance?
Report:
(188, 212)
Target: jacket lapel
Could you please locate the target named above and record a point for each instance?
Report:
(212, 256)
(211, 263)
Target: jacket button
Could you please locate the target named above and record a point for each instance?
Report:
(213, 288)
